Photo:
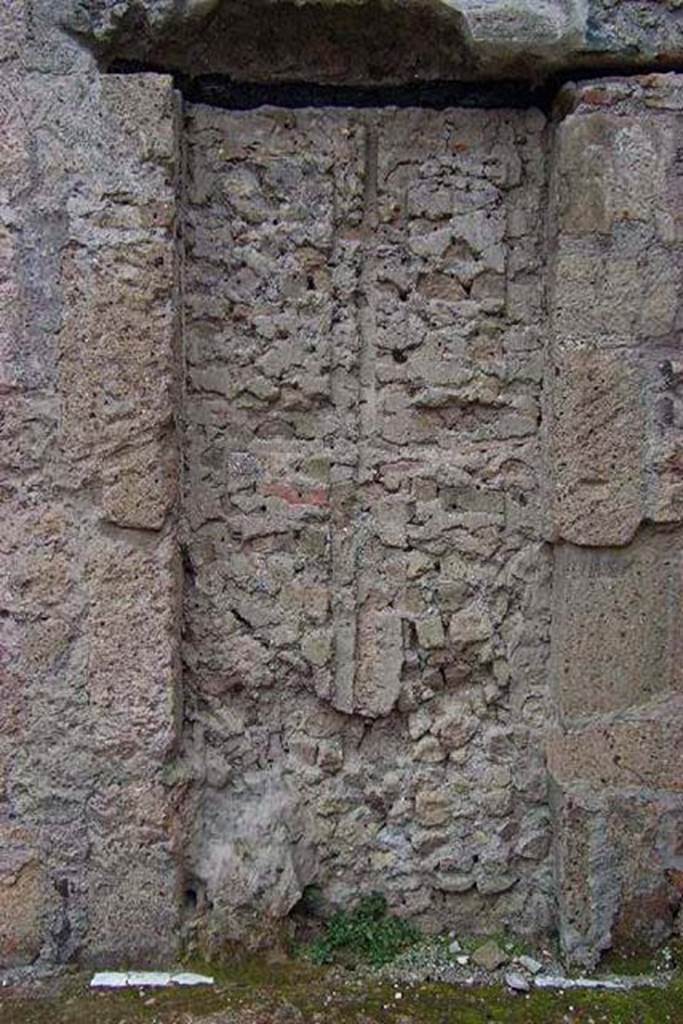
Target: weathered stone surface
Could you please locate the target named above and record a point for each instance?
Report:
(614, 442)
(616, 618)
(616, 861)
(90, 569)
(377, 447)
(24, 897)
(630, 753)
(367, 584)
(529, 963)
(597, 447)
(612, 394)
(370, 43)
(252, 857)
(490, 956)
(516, 981)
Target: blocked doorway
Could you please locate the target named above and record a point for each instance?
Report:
(366, 608)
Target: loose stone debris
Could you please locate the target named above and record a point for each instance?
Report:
(493, 963)
(489, 956)
(517, 982)
(530, 964)
(147, 979)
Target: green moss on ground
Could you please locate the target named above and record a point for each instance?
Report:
(257, 992)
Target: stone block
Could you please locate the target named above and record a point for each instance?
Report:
(133, 909)
(616, 857)
(116, 352)
(132, 877)
(380, 658)
(13, 23)
(615, 296)
(596, 443)
(132, 671)
(638, 754)
(470, 39)
(24, 899)
(432, 807)
(612, 169)
(616, 625)
(140, 487)
(430, 632)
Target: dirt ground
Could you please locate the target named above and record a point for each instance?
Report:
(258, 992)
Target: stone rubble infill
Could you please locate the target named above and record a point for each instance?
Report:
(147, 979)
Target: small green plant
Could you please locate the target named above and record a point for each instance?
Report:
(367, 933)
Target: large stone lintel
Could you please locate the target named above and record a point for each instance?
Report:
(367, 43)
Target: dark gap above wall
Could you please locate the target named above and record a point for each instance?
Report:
(216, 91)
(222, 91)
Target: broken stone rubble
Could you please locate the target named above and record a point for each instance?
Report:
(412, 601)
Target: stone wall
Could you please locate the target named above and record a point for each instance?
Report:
(615, 445)
(341, 498)
(90, 577)
(367, 595)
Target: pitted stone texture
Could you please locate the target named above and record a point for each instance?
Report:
(632, 752)
(366, 606)
(368, 42)
(613, 381)
(616, 626)
(90, 575)
(618, 855)
(615, 445)
(25, 899)
(597, 445)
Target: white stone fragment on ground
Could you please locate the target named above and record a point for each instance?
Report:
(516, 981)
(189, 978)
(147, 979)
(529, 964)
(615, 984)
(455, 947)
(109, 979)
(462, 960)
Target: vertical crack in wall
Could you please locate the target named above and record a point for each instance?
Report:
(350, 248)
(367, 396)
(364, 660)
